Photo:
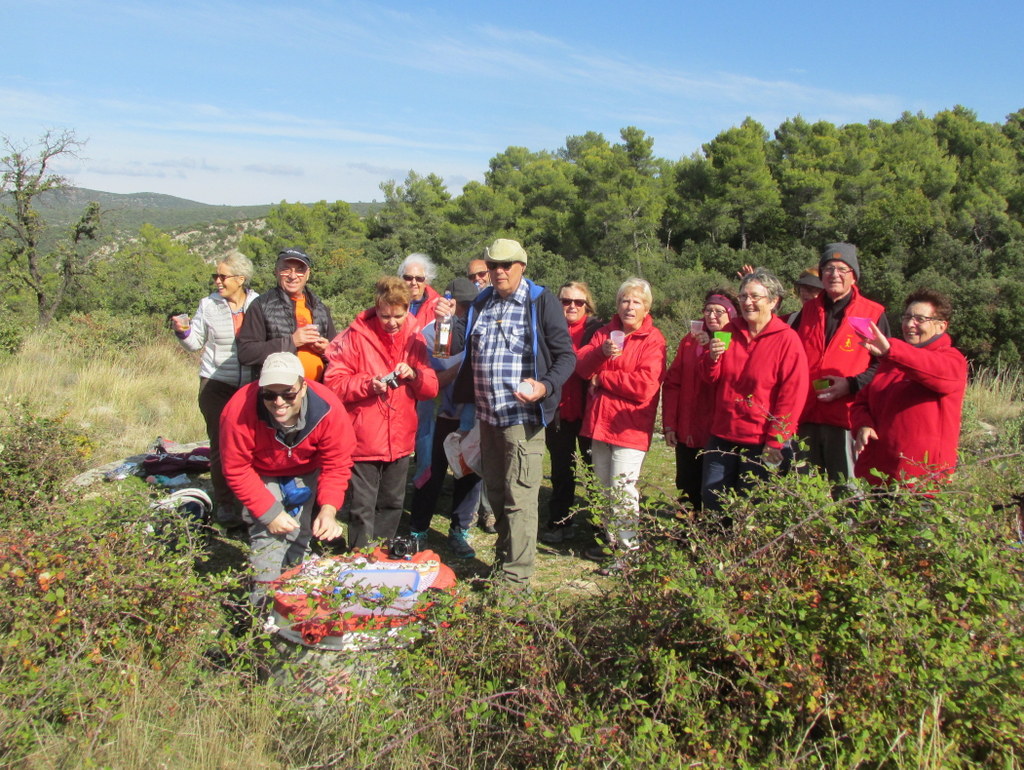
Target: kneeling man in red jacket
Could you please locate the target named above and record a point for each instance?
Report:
(280, 437)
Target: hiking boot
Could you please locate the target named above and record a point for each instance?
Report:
(598, 553)
(610, 567)
(419, 540)
(488, 529)
(555, 536)
(459, 544)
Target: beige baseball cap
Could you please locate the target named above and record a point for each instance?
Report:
(281, 369)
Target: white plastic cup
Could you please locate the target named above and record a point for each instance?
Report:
(696, 327)
(525, 388)
(618, 337)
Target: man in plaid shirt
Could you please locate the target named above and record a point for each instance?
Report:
(518, 355)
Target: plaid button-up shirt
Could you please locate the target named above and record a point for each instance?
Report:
(502, 357)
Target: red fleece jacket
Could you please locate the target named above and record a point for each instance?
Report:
(249, 449)
(623, 399)
(914, 405)
(761, 385)
(385, 425)
(687, 401)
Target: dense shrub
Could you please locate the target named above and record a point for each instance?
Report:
(37, 456)
(88, 600)
(883, 630)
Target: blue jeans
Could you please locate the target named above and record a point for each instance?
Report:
(725, 465)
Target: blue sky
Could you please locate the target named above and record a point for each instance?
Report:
(257, 102)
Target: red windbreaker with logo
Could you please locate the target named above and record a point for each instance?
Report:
(844, 356)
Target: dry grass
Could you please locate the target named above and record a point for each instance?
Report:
(997, 396)
(122, 400)
(165, 724)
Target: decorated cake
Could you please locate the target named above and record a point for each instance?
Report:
(352, 601)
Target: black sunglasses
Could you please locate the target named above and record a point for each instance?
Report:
(577, 302)
(417, 278)
(288, 396)
(481, 274)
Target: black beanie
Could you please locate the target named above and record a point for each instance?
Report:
(840, 252)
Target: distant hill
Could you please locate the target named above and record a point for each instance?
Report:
(126, 213)
(206, 229)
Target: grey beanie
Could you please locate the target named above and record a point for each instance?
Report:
(840, 252)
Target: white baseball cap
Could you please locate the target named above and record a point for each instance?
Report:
(281, 369)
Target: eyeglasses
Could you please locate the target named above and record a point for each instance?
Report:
(417, 278)
(919, 319)
(288, 396)
(751, 298)
(476, 276)
(837, 270)
(293, 269)
(715, 311)
(221, 277)
(577, 302)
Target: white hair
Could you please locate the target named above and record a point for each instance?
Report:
(418, 258)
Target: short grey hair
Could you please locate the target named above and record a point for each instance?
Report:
(636, 286)
(238, 264)
(421, 259)
(768, 280)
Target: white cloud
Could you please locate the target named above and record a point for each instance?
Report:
(273, 169)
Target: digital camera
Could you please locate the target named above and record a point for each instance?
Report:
(402, 547)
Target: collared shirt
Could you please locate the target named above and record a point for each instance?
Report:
(289, 436)
(502, 357)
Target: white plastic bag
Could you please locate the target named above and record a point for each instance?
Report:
(463, 452)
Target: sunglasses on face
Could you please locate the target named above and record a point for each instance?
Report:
(295, 269)
(288, 396)
(475, 276)
(221, 277)
(417, 278)
(577, 302)
(506, 266)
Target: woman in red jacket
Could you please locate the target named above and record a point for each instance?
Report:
(906, 422)
(687, 401)
(378, 367)
(625, 363)
(562, 436)
(761, 381)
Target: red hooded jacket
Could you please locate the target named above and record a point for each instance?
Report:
(249, 449)
(844, 356)
(687, 401)
(385, 425)
(623, 399)
(425, 314)
(913, 404)
(761, 384)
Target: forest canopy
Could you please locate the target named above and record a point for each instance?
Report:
(929, 201)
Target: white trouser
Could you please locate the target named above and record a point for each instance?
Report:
(618, 469)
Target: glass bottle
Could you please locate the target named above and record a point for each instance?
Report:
(443, 333)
